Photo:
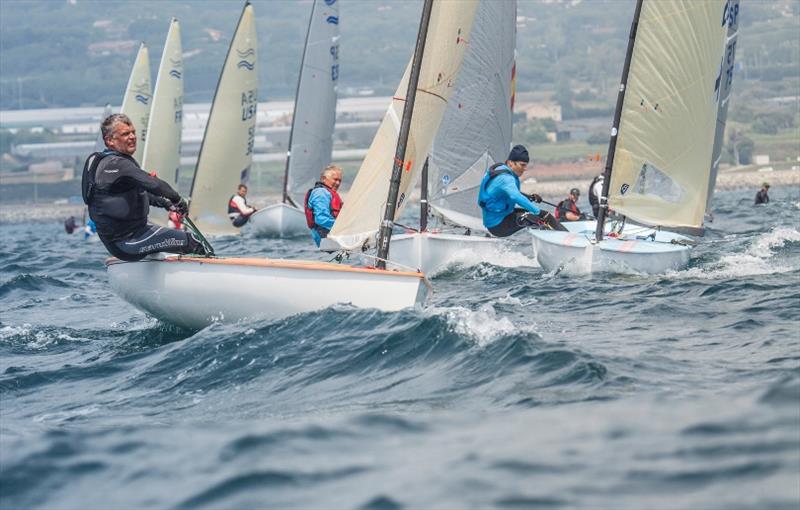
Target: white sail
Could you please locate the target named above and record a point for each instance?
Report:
(476, 129)
(138, 96)
(663, 155)
(311, 139)
(227, 150)
(725, 83)
(447, 38)
(162, 150)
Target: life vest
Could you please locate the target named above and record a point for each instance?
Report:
(336, 204)
(571, 208)
(494, 171)
(232, 207)
(89, 176)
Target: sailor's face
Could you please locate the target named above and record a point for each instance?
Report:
(123, 139)
(333, 181)
(518, 167)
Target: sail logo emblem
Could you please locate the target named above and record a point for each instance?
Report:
(175, 74)
(333, 20)
(330, 2)
(445, 180)
(143, 99)
(624, 189)
(250, 52)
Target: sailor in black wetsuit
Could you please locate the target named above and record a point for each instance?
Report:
(122, 195)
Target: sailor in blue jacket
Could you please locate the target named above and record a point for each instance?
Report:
(500, 193)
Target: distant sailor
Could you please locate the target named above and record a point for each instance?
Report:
(238, 210)
(89, 230)
(595, 192)
(762, 196)
(567, 209)
(323, 203)
(500, 193)
(119, 194)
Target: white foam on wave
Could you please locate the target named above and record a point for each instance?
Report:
(757, 259)
(36, 339)
(500, 255)
(483, 325)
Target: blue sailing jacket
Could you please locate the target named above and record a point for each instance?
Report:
(499, 194)
(319, 201)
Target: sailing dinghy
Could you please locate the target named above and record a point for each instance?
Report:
(138, 98)
(662, 161)
(193, 291)
(474, 134)
(226, 153)
(162, 149)
(367, 210)
(311, 136)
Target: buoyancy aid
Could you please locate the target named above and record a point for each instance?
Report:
(233, 207)
(494, 171)
(567, 204)
(336, 204)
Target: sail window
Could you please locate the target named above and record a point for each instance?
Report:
(652, 181)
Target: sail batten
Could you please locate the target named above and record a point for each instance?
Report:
(664, 150)
(227, 149)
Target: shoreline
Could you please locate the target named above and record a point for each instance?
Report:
(728, 180)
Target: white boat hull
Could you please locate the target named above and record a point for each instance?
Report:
(577, 253)
(194, 292)
(279, 220)
(432, 252)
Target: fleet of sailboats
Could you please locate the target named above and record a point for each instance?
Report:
(450, 119)
(311, 136)
(233, 289)
(662, 156)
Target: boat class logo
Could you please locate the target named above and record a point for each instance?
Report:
(142, 93)
(330, 2)
(175, 72)
(333, 20)
(243, 55)
(624, 189)
(445, 180)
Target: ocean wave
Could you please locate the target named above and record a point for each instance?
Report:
(760, 257)
(30, 282)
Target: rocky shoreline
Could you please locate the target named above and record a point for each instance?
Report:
(732, 179)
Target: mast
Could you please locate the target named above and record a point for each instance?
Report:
(385, 233)
(286, 197)
(423, 198)
(612, 144)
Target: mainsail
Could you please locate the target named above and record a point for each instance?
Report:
(227, 150)
(730, 17)
(162, 150)
(311, 138)
(476, 129)
(136, 103)
(663, 153)
(448, 36)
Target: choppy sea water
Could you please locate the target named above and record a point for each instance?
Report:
(514, 388)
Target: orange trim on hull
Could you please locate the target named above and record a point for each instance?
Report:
(275, 263)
